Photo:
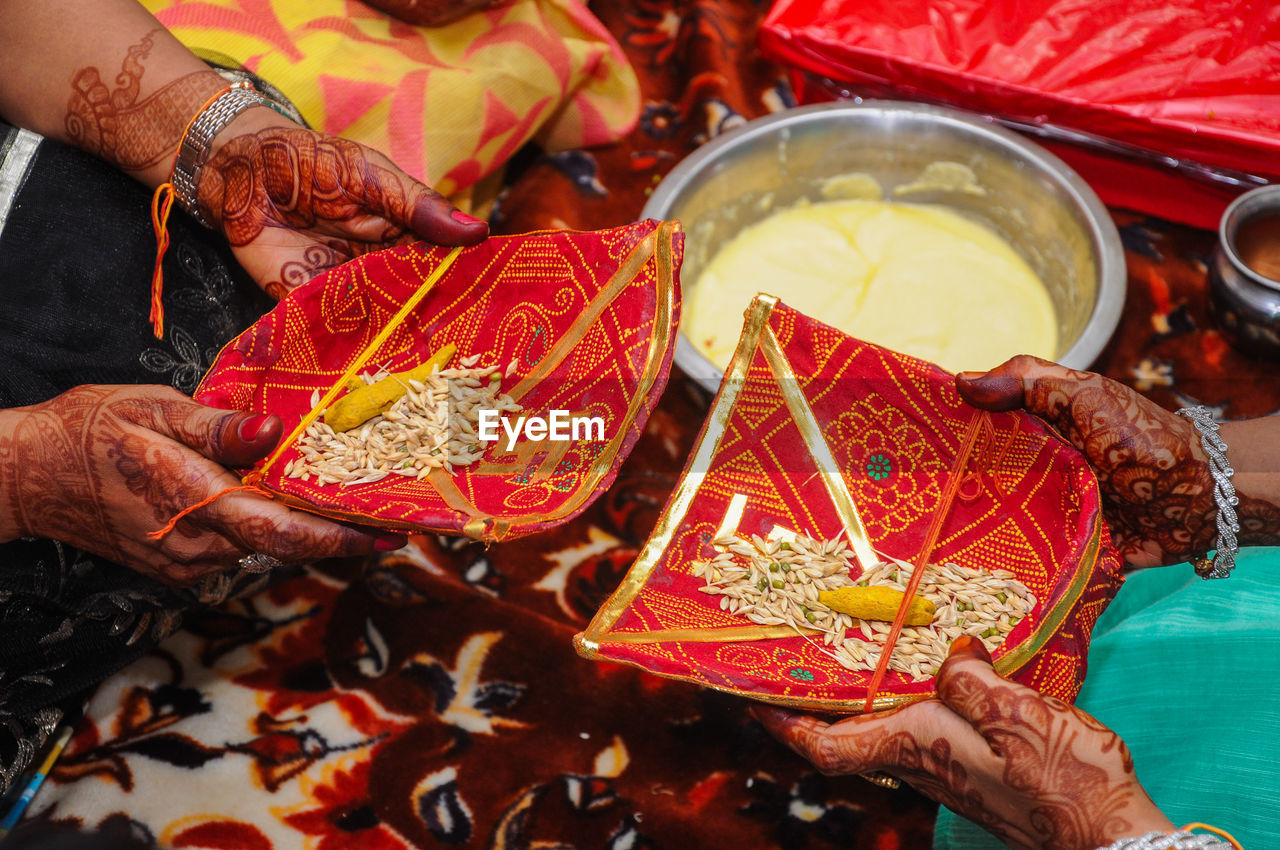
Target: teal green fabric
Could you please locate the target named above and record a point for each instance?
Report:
(1188, 673)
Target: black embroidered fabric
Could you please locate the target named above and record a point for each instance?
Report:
(76, 256)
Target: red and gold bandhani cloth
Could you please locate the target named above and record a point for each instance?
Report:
(587, 318)
(817, 433)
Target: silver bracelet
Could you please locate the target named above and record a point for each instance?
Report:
(1224, 493)
(193, 150)
(1180, 840)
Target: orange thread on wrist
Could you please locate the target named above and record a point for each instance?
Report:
(161, 204)
(252, 480)
(940, 514)
(1221, 833)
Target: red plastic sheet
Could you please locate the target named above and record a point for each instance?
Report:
(1195, 80)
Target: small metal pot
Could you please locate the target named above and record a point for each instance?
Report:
(1245, 304)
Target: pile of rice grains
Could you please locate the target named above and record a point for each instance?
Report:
(805, 583)
(407, 423)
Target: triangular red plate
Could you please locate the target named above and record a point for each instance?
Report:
(821, 434)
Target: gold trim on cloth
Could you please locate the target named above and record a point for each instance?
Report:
(757, 334)
(818, 449)
(657, 246)
(678, 504)
(728, 634)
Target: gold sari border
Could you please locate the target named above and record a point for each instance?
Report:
(725, 634)
(673, 514)
(805, 420)
(658, 245)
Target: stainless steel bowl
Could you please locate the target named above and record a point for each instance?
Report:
(1044, 210)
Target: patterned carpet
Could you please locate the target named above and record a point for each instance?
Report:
(432, 698)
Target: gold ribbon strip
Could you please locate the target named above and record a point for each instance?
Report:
(696, 469)
(836, 486)
(725, 634)
(358, 364)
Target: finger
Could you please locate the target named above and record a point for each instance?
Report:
(436, 220)
(809, 737)
(232, 438)
(969, 685)
(1006, 386)
(850, 746)
(260, 525)
(413, 206)
(183, 561)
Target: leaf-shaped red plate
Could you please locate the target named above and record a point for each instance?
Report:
(588, 318)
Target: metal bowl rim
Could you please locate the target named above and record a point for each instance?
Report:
(1109, 252)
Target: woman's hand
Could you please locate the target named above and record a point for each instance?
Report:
(1156, 486)
(1036, 772)
(99, 466)
(293, 202)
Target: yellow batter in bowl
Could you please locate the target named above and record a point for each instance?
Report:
(919, 279)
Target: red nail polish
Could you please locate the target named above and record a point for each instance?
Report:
(462, 218)
(390, 544)
(250, 427)
(971, 646)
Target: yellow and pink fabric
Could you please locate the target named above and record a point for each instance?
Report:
(450, 104)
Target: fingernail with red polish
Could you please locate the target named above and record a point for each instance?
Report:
(250, 427)
(462, 218)
(390, 544)
(766, 713)
(971, 646)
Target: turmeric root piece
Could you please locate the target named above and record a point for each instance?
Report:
(365, 402)
(877, 603)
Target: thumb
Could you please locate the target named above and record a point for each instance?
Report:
(423, 211)
(970, 686)
(435, 219)
(236, 439)
(242, 439)
(1007, 387)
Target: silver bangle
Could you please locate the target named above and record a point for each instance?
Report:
(193, 150)
(1179, 840)
(1224, 493)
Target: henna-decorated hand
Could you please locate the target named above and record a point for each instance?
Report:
(293, 202)
(1036, 772)
(1156, 485)
(98, 467)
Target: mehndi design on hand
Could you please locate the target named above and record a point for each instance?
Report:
(132, 133)
(1155, 480)
(293, 202)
